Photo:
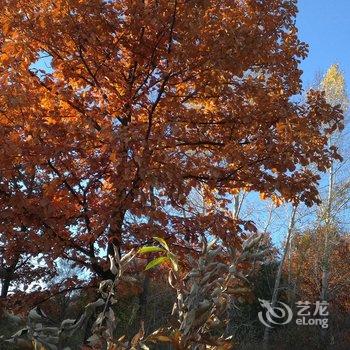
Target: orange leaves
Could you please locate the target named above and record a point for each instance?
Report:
(50, 121)
(234, 191)
(263, 195)
(281, 127)
(47, 103)
(145, 105)
(75, 84)
(277, 200)
(4, 57)
(6, 25)
(307, 264)
(51, 188)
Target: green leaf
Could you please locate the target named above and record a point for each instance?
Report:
(150, 249)
(173, 261)
(156, 262)
(162, 242)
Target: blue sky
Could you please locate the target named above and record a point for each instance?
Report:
(325, 26)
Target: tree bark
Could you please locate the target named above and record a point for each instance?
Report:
(328, 228)
(279, 273)
(327, 247)
(5, 285)
(143, 299)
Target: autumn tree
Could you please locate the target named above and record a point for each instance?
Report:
(307, 267)
(335, 200)
(285, 251)
(20, 243)
(162, 97)
(333, 85)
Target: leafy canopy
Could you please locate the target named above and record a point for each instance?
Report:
(124, 120)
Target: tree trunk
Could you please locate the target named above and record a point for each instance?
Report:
(327, 247)
(143, 299)
(326, 253)
(5, 285)
(7, 274)
(279, 273)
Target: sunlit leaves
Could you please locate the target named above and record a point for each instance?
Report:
(333, 85)
(150, 249)
(125, 120)
(155, 262)
(168, 256)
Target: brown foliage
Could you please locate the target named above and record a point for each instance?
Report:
(137, 98)
(306, 267)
